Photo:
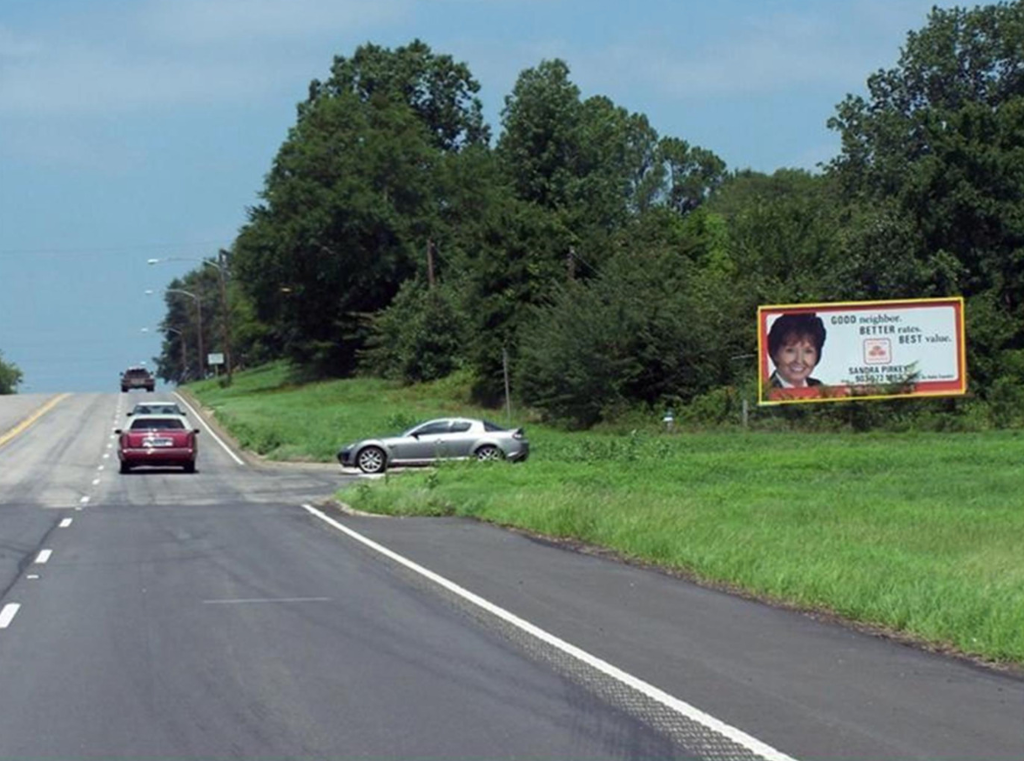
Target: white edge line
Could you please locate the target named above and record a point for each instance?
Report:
(250, 600)
(691, 712)
(209, 430)
(10, 610)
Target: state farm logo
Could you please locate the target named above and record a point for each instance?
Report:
(877, 351)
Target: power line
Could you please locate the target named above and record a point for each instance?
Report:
(100, 250)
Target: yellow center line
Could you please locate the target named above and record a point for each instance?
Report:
(24, 424)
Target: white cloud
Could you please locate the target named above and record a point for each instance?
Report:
(98, 81)
(754, 62)
(165, 54)
(824, 45)
(247, 22)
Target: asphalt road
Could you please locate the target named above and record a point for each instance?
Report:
(221, 615)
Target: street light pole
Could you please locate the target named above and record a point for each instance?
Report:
(199, 324)
(182, 342)
(184, 349)
(221, 266)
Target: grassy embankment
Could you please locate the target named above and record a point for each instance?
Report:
(919, 534)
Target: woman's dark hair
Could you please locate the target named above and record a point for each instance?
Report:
(799, 325)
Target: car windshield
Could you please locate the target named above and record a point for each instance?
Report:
(157, 409)
(157, 424)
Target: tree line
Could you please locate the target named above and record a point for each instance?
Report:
(611, 267)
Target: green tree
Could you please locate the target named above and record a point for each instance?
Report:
(659, 323)
(782, 235)
(693, 174)
(933, 159)
(10, 377)
(421, 336)
(540, 141)
(353, 196)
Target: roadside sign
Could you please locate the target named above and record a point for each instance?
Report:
(861, 350)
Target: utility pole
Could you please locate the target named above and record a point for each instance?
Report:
(430, 264)
(199, 337)
(508, 397)
(570, 263)
(199, 324)
(222, 271)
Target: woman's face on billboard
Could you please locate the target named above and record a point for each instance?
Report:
(795, 360)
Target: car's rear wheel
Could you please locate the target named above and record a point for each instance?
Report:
(190, 467)
(489, 453)
(371, 460)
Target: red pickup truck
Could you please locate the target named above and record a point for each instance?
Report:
(137, 377)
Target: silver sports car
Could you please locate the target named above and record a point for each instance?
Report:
(441, 439)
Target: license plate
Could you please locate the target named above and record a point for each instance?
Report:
(158, 442)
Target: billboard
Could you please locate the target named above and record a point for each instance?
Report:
(862, 350)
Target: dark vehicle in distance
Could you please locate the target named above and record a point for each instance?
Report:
(156, 408)
(164, 440)
(441, 439)
(137, 377)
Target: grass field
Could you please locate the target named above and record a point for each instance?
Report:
(921, 535)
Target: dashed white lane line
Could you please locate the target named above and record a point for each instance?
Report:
(106, 457)
(100, 467)
(10, 610)
(96, 482)
(43, 556)
(84, 500)
(250, 600)
(65, 523)
(32, 576)
(645, 688)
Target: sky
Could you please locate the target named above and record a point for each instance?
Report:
(139, 129)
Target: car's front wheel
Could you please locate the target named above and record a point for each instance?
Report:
(489, 453)
(125, 467)
(371, 460)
